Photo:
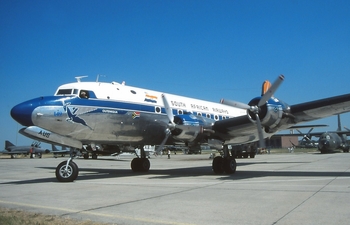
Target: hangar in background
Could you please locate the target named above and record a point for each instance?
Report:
(280, 141)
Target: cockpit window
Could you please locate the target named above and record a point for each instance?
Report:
(64, 92)
(84, 94)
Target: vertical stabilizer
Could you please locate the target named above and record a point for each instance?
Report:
(8, 144)
(339, 123)
(265, 86)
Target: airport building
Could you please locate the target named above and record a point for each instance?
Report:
(282, 141)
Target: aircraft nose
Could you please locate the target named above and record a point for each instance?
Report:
(323, 144)
(22, 112)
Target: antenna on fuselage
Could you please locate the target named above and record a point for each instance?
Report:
(79, 78)
(98, 76)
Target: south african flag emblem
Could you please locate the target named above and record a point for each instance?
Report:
(135, 115)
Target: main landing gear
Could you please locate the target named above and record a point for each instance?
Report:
(141, 164)
(225, 164)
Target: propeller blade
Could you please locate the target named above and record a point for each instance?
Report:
(160, 147)
(308, 135)
(168, 109)
(299, 131)
(269, 93)
(260, 132)
(235, 104)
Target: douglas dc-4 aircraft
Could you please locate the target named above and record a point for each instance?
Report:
(114, 115)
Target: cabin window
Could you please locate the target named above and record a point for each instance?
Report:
(208, 116)
(216, 117)
(157, 109)
(199, 114)
(132, 91)
(180, 112)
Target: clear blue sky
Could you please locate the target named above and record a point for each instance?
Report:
(203, 49)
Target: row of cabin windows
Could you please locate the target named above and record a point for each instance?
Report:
(210, 116)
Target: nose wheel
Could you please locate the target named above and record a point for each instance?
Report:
(67, 171)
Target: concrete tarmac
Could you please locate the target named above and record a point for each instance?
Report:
(280, 189)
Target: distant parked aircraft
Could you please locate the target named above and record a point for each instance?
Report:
(13, 150)
(328, 141)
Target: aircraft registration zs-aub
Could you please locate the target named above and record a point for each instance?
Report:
(114, 115)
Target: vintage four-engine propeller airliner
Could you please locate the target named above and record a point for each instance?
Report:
(115, 115)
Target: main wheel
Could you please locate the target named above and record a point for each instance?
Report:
(218, 165)
(144, 165)
(230, 165)
(140, 165)
(69, 174)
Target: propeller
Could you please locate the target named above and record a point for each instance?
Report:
(167, 134)
(256, 108)
(306, 136)
(168, 110)
(172, 125)
(169, 113)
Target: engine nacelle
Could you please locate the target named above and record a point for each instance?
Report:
(270, 114)
(189, 127)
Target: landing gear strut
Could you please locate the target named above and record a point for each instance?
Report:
(225, 164)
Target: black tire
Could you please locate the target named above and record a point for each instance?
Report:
(229, 165)
(218, 165)
(67, 176)
(140, 165)
(135, 164)
(144, 165)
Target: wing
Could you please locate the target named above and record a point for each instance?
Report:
(276, 116)
(322, 108)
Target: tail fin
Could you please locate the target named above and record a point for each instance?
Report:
(8, 144)
(265, 86)
(54, 148)
(339, 123)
